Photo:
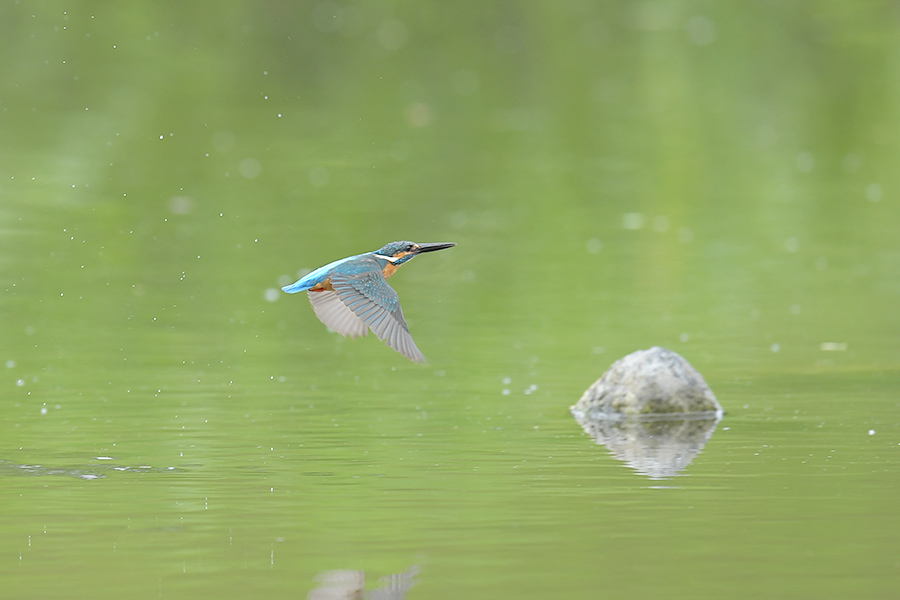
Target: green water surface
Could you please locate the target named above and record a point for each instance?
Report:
(720, 179)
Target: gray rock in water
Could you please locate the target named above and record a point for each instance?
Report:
(655, 383)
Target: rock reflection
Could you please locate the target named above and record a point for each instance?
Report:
(656, 447)
(345, 584)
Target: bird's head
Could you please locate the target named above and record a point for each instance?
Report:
(398, 253)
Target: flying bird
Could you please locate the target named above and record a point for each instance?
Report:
(352, 295)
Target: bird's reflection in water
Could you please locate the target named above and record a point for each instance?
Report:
(345, 584)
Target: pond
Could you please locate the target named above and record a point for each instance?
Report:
(716, 179)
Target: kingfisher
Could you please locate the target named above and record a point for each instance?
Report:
(352, 295)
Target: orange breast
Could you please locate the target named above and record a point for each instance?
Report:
(390, 269)
(325, 285)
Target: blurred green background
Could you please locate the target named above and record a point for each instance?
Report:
(717, 178)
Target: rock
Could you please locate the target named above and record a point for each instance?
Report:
(655, 383)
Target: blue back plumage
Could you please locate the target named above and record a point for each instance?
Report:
(350, 265)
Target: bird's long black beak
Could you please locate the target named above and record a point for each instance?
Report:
(434, 246)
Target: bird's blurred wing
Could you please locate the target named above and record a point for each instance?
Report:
(371, 299)
(336, 315)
